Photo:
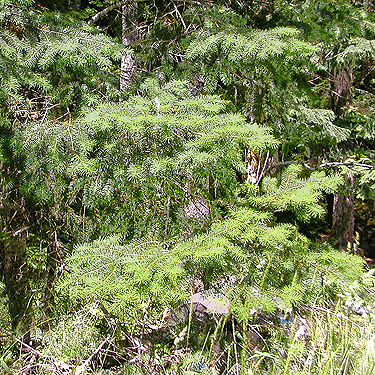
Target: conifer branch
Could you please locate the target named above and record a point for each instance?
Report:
(104, 12)
(323, 165)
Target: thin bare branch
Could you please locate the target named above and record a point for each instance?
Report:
(104, 12)
(96, 351)
(24, 345)
(324, 165)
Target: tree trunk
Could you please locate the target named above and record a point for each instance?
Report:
(341, 89)
(129, 36)
(16, 281)
(343, 204)
(14, 269)
(343, 218)
(53, 262)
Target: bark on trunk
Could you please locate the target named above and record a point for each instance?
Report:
(14, 270)
(129, 36)
(343, 218)
(341, 89)
(52, 264)
(16, 281)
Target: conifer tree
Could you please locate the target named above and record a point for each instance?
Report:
(51, 69)
(345, 31)
(121, 206)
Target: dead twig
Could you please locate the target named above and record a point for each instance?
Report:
(86, 362)
(103, 12)
(24, 345)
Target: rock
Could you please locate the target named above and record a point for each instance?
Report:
(197, 209)
(212, 303)
(205, 305)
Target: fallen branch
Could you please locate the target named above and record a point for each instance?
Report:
(28, 347)
(51, 360)
(96, 351)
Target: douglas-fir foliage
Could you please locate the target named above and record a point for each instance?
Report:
(210, 177)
